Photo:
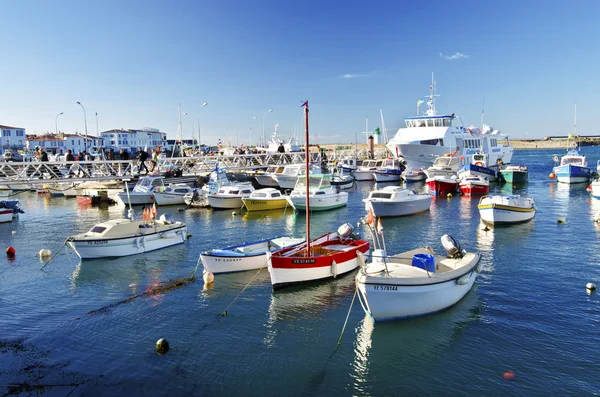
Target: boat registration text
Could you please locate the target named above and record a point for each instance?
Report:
(385, 288)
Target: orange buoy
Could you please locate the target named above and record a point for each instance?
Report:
(510, 375)
(10, 252)
(552, 175)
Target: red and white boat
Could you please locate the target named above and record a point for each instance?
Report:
(442, 185)
(329, 258)
(6, 215)
(472, 185)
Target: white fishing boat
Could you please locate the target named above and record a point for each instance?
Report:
(477, 164)
(246, 256)
(594, 188)
(321, 194)
(390, 171)
(325, 258)
(290, 144)
(504, 209)
(267, 178)
(289, 176)
(429, 135)
(417, 282)
(230, 197)
(471, 185)
(396, 201)
(573, 167)
(348, 164)
(444, 166)
(124, 237)
(341, 180)
(142, 193)
(414, 175)
(172, 194)
(364, 172)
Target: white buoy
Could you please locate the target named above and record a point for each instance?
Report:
(590, 287)
(14, 232)
(162, 346)
(234, 213)
(44, 253)
(562, 219)
(208, 277)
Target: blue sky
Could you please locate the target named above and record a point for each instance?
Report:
(132, 62)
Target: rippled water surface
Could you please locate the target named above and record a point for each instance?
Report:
(528, 312)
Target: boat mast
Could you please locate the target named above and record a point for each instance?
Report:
(307, 155)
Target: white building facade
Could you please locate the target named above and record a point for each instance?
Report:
(57, 144)
(130, 140)
(12, 138)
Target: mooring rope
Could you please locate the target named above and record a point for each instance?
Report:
(224, 312)
(346, 322)
(53, 256)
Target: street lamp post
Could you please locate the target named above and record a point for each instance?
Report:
(56, 122)
(85, 121)
(253, 118)
(263, 127)
(199, 129)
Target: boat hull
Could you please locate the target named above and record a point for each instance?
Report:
(151, 240)
(363, 175)
(514, 177)
(289, 270)
(286, 181)
(134, 198)
(572, 174)
(503, 214)
(162, 198)
(6, 215)
(220, 202)
(264, 205)
(399, 208)
(319, 203)
(386, 176)
(474, 189)
(442, 187)
(266, 180)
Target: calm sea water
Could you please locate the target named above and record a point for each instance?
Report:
(528, 312)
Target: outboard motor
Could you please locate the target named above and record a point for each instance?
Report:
(452, 247)
(167, 219)
(345, 230)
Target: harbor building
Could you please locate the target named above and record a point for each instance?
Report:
(131, 139)
(12, 138)
(57, 143)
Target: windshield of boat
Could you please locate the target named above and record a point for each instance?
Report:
(442, 161)
(572, 160)
(381, 195)
(97, 229)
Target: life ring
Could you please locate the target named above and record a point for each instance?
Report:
(479, 163)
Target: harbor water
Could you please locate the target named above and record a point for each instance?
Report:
(528, 313)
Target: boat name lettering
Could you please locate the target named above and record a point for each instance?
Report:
(302, 261)
(385, 288)
(97, 242)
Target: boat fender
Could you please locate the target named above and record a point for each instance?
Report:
(464, 279)
(451, 246)
(208, 277)
(334, 269)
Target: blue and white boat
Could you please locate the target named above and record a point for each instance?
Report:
(478, 165)
(573, 166)
(390, 171)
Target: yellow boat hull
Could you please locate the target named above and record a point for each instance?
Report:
(264, 205)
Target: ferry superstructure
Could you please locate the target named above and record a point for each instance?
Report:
(428, 136)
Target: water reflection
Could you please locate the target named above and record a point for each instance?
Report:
(297, 304)
(407, 343)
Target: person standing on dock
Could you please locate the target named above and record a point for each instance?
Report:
(43, 155)
(154, 160)
(142, 156)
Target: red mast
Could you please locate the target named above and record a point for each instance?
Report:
(307, 155)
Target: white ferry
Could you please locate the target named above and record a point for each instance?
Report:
(430, 135)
